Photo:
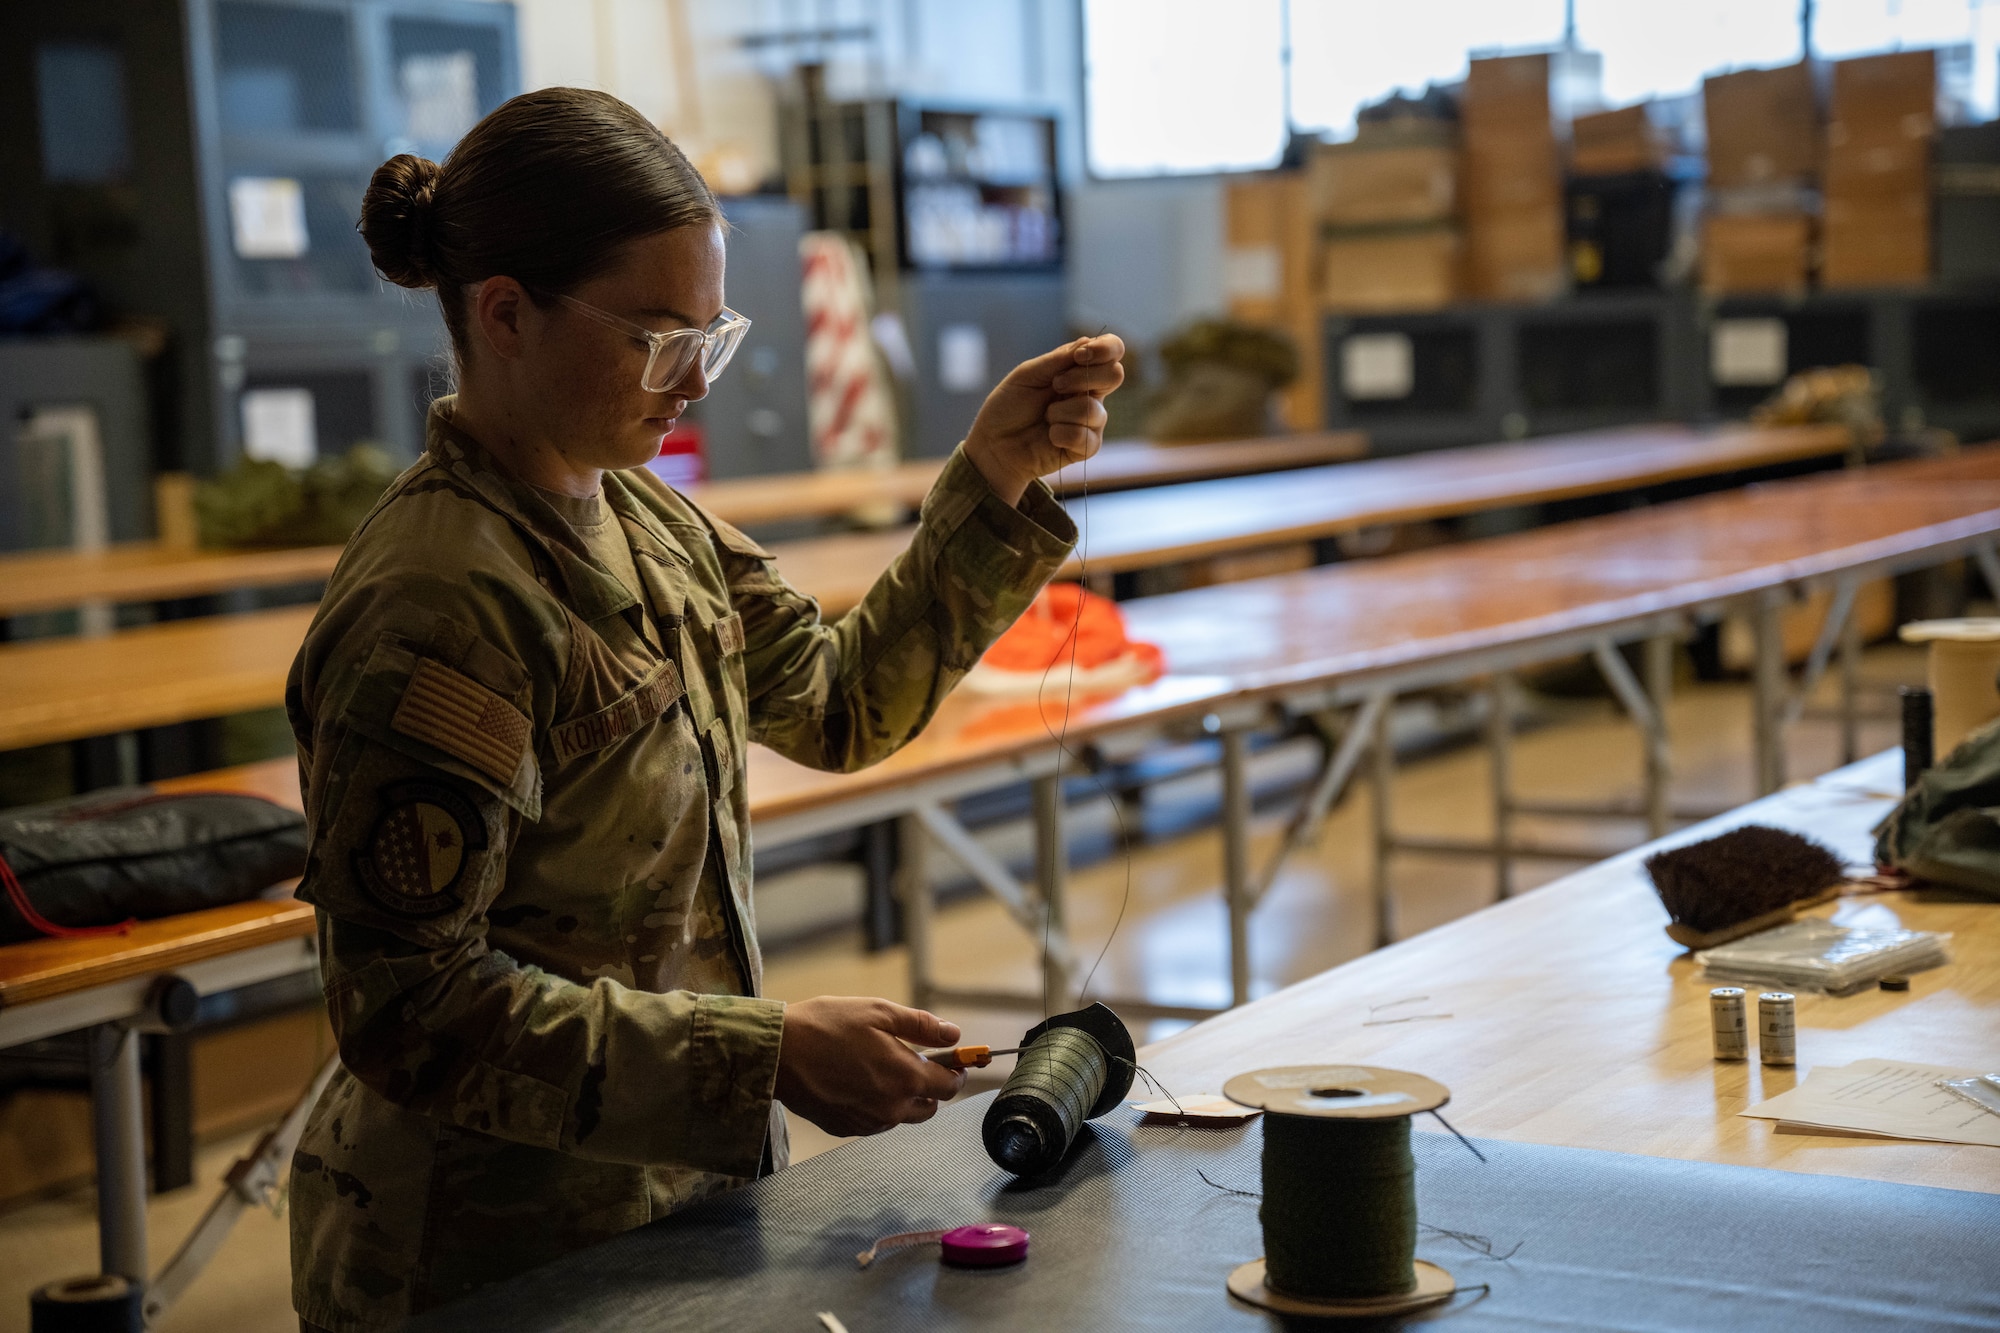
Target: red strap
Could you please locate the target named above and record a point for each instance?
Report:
(19, 897)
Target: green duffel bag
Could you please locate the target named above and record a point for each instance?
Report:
(94, 864)
(1947, 828)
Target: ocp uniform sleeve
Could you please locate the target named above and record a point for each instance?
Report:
(417, 714)
(845, 694)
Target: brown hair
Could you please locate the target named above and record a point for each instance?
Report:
(545, 190)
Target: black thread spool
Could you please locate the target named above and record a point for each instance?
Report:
(1340, 1208)
(1919, 732)
(104, 1304)
(1072, 1068)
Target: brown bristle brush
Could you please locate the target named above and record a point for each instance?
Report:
(1740, 882)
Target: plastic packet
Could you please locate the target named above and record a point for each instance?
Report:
(1982, 1090)
(1812, 954)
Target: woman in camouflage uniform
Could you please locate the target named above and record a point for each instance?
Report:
(522, 713)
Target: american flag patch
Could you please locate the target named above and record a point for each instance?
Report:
(456, 714)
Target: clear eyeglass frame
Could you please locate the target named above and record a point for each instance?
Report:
(672, 354)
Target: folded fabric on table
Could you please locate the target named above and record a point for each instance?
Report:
(1068, 640)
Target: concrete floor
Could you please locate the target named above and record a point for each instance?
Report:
(1170, 945)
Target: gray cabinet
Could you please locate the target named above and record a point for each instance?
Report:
(966, 330)
(754, 418)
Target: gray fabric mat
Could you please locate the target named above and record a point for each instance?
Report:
(1128, 1236)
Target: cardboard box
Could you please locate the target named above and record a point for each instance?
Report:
(1883, 100)
(1756, 253)
(1512, 191)
(1881, 169)
(1503, 173)
(1614, 143)
(1507, 88)
(1390, 271)
(1357, 185)
(1874, 240)
(1269, 276)
(1516, 255)
(1763, 127)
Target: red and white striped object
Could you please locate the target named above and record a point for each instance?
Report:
(849, 409)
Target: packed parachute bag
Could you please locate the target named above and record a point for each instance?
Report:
(1068, 640)
(1221, 376)
(1947, 828)
(93, 865)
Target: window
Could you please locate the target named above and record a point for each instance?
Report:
(1346, 53)
(1183, 86)
(1661, 50)
(1966, 33)
(1173, 86)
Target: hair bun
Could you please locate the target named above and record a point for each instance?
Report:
(396, 220)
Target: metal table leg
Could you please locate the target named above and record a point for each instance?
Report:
(1850, 681)
(1768, 692)
(1382, 772)
(1659, 665)
(1500, 754)
(914, 890)
(117, 1114)
(1236, 859)
(1052, 881)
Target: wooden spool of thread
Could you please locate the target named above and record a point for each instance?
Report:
(1340, 1193)
(1072, 1068)
(1964, 675)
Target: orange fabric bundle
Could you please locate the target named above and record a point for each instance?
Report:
(1065, 621)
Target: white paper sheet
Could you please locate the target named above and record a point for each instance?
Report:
(1894, 1098)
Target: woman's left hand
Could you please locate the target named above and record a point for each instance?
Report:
(1047, 414)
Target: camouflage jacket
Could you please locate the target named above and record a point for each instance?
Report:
(530, 852)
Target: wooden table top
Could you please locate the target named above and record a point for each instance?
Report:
(1119, 465)
(64, 689)
(1166, 524)
(1575, 1021)
(149, 572)
(1336, 622)
(1262, 638)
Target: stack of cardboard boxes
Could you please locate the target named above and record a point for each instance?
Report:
(1878, 171)
(1763, 171)
(1386, 207)
(1512, 174)
(1268, 275)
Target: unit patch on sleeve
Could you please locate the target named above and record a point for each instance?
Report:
(416, 851)
(455, 713)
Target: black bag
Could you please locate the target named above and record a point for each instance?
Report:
(95, 863)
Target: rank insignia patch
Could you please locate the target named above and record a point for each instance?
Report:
(417, 850)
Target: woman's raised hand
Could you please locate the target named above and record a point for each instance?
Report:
(1047, 414)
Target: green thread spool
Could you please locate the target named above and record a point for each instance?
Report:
(1340, 1207)
(1072, 1068)
(1339, 1211)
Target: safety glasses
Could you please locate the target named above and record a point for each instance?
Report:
(672, 354)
